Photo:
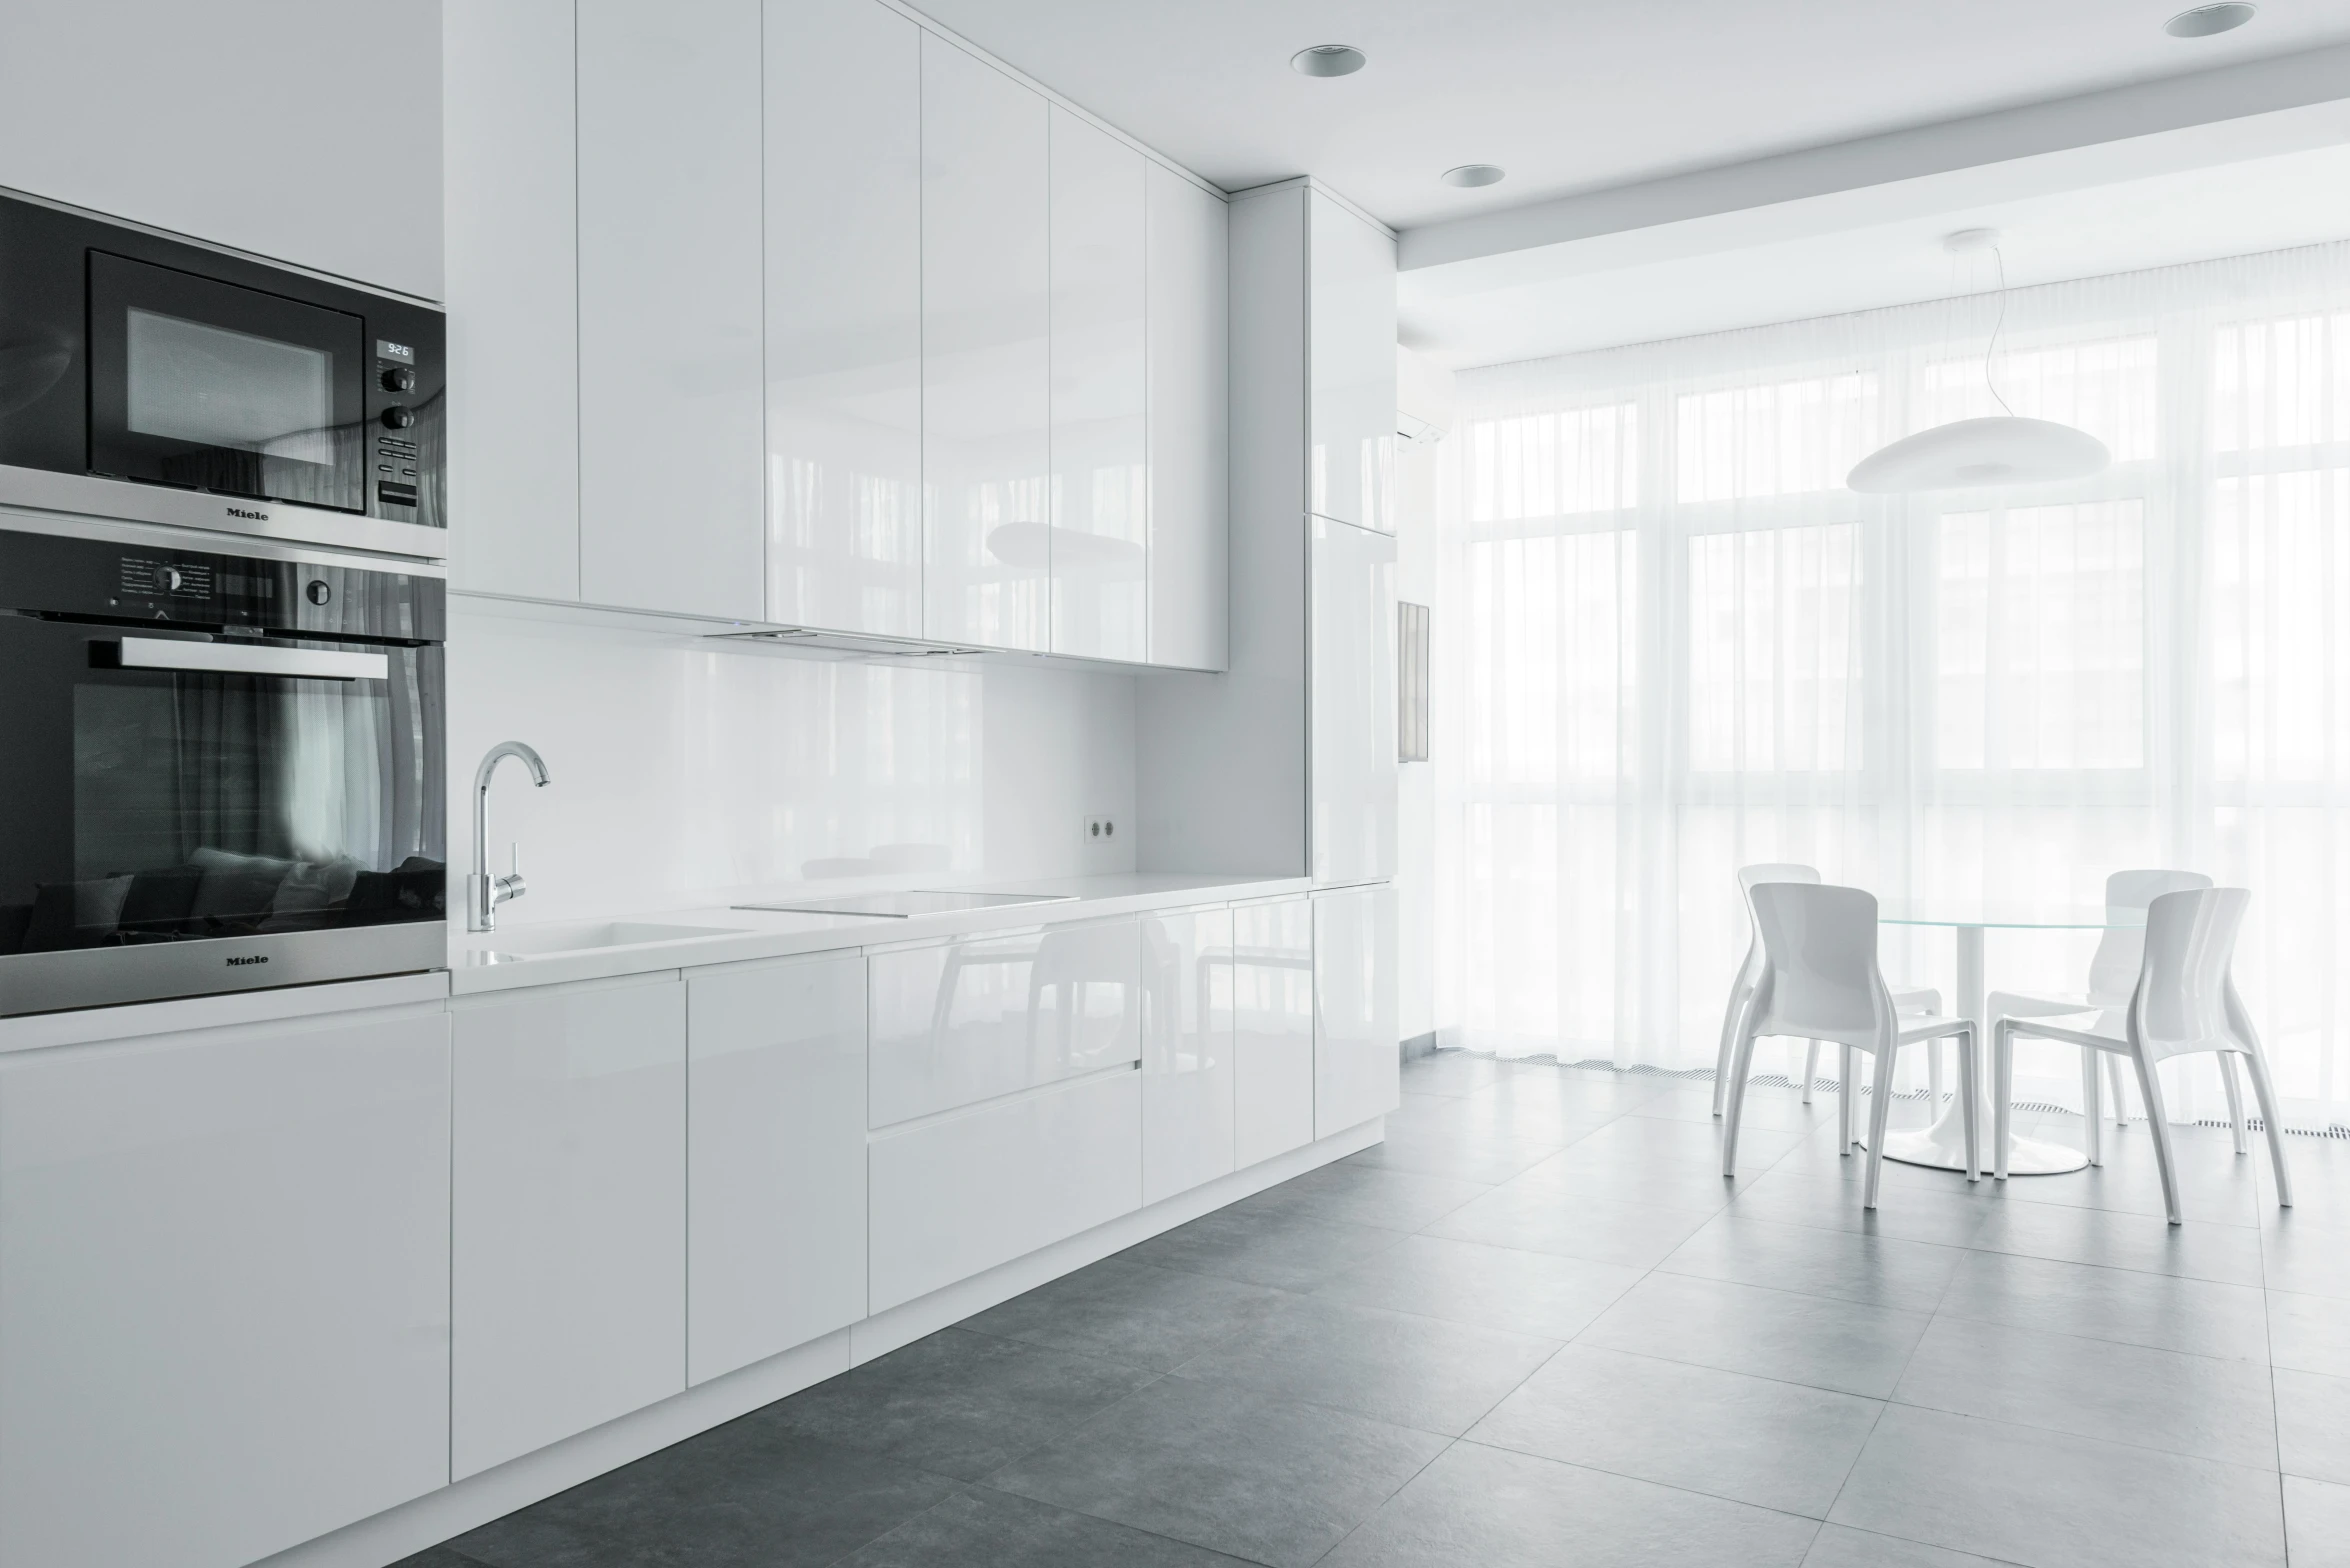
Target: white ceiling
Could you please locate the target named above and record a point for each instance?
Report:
(1570, 95)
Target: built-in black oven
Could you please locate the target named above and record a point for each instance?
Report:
(220, 771)
(156, 380)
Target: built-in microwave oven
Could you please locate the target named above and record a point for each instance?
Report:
(151, 379)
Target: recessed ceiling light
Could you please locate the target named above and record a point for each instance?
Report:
(1474, 174)
(2205, 20)
(1327, 60)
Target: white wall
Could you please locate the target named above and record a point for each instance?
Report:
(686, 772)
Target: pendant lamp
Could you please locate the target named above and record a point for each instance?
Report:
(2001, 450)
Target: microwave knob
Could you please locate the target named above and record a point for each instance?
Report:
(399, 379)
(398, 418)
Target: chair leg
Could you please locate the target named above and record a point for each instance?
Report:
(1970, 1092)
(2158, 1124)
(1844, 1101)
(2002, 1114)
(2092, 1067)
(2121, 1101)
(1811, 1067)
(2264, 1094)
(1933, 1079)
(1739, 994)
(2227, 1078)
(1734, 1111)
(1880, 1111)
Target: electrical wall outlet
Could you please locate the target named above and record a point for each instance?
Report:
(1101, 833)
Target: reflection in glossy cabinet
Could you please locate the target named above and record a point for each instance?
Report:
(844, 317)
(775, 1158)
(1273, 1024)
(669, 306)
(1353, 775)
(986, 365)
(1187, 1044)
(1356, 1063)
(1099, 493)
(224, 1308)
(1189, 287)
(1351, 271)
(568, 1267)
(966, 1021)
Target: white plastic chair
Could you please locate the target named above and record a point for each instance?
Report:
(1820, 981)
(2184, 1001)
(1913, 1000)
(2113, 975)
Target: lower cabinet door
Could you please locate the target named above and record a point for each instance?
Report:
(1357, 1068)
(775, 1158)
(224, 1307)
(1187, 1071)
(568, 1288)
(956, 1196)
(1273, 1024)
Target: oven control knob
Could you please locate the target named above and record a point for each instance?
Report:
(318, 592)
(399, 379)
(171, 579)
(398, 418)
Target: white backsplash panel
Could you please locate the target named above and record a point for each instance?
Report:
(687, 772)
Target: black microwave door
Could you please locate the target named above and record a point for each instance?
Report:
(209, 386)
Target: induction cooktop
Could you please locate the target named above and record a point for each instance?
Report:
(899, 906)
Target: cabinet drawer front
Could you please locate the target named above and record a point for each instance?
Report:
(1273, 1021)
(955, 1197)
(1187, 1072)
(968, 1021)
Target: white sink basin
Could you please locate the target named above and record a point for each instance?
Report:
(586, 936)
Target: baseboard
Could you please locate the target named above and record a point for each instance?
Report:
(438, 1516)
(1418, 1045)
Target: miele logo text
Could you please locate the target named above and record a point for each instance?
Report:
(248, 516)
(240, 960)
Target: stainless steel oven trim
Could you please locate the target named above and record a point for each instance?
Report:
(230, 658)
(109, 976)
(156, 536)
(87, 495)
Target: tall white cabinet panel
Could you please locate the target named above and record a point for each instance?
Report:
(962, 1194)
(1187, 1045)
(1100, 493)
(224, 1271)
(513, 221)
(1189, 324)
(1356, 1061)
(1352, 774)
(986, 361)
(1351, 376)
(670, 316)
(775, 1158)
(844, 316)
(568, 1264)
(1273, 1029)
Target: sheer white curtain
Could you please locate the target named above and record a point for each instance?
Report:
(1672, 643)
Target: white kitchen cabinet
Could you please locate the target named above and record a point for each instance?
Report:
(1273, 1029)
(963, 1193)
(775, 1158)
(568, 1263)
(986, 359)
(1100, 490)
(513, 259)
(224, 1271)
(1356, 1061)
(1351, 366)
(670, 313)
(844, 316)
(969, 1020)
(1189, 493)
(1351, 713)
(1187, 1046)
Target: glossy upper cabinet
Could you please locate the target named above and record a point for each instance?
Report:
(1351, 705)
(670, 313)
(1189, 320)
(844, 316)
(1351, 366)
(1356, 1065)
(1187, 1045)
(513, 267)
(1100, 491)
(224, 1272)
(775, 1158)
(986, 354)
(1273, 1029)
(568, 1264)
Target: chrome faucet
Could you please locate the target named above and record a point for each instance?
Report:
(483, 892)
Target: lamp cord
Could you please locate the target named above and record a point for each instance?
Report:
(1999, 322)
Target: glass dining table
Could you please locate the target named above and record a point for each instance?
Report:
(1942, 1143)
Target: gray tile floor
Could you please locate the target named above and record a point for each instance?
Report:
(1537, 1326)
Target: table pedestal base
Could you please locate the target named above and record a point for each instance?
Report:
(1943, 1147)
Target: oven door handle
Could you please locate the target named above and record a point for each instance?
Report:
(229, 658)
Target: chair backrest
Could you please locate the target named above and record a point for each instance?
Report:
(2113, 972)
(1820, 978)
(2181, 1000)
(1750, 878)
